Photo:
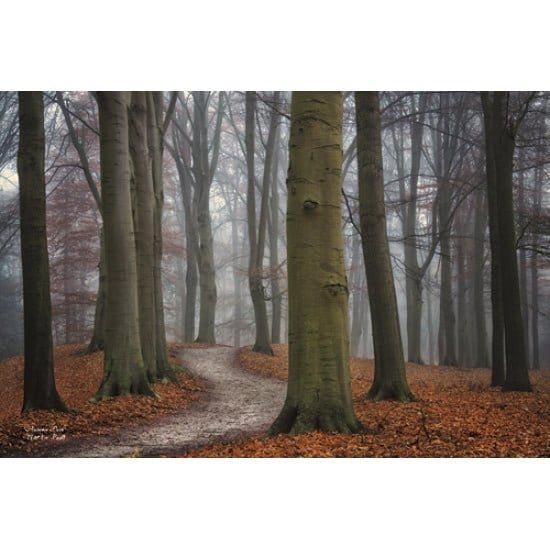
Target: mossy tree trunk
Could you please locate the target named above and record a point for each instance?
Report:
(124, 372)
(319, 387)
(390, 381)
(144, 205)
(155, 133)
(39, 391)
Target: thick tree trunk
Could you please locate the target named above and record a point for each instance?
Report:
(123, 369)
(144, 205)
(319, 387)
(517, 377)
(164, 370)
(39, 391)
(256, 238)
(497, 346)
(389, 366)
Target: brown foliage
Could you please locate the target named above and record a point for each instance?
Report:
(77, 378)
(457, 415)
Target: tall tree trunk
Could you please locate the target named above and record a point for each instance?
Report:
(256, 237)
(319, 387)
(164, 370)
(517, 377)
(497, 346)
(143, 224)
(389, 366)
(39, 391)
(414, 274)
(123, 369)
(203, 180)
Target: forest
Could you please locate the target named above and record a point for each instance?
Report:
(369, 264)
(304, 319)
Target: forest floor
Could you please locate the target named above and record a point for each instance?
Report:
(225, 399)
(233, 403)
(457, 414)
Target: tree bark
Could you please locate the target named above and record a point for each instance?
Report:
(516, 377)
(203, 170)
(155, 129)
(39, 391)
(497, 346)
(389, 366)
(319, 387)
(144, 234)
(123, 369)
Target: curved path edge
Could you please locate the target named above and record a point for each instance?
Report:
(238, 403)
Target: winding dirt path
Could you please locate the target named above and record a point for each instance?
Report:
(239, 403)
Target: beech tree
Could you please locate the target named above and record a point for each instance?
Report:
(123, 368)
(319, 388)
(39, 381)
(389, 366)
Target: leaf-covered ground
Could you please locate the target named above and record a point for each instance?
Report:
(457, 414)
(77, 378)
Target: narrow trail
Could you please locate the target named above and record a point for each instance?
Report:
(238, 403)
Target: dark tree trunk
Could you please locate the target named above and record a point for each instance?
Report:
(497, 346)
(389, 367)
(516, 377)
(39, 381)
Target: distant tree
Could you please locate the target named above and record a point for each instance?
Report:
(390, 381)
(257, 228)
(319, 387)
(123, 370)
(39, 382)
(157, 125)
